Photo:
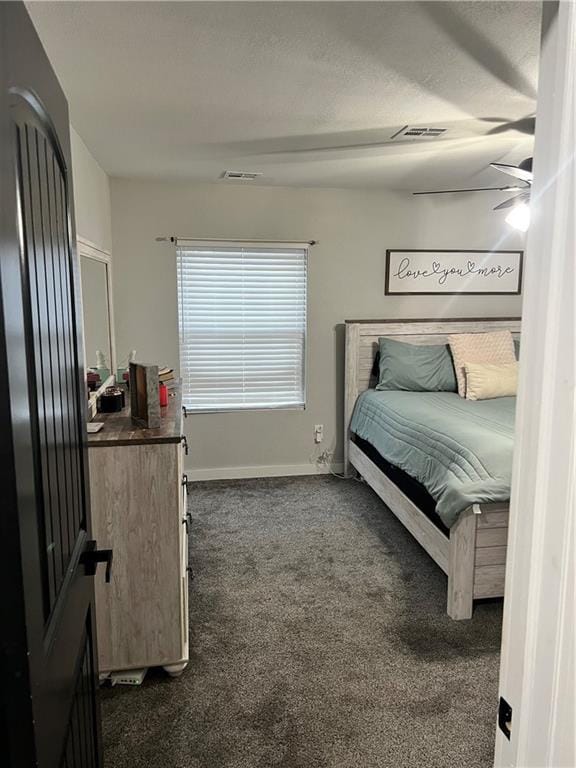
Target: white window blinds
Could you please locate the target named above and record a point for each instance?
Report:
(242, 314)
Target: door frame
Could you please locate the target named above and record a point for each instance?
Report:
(538, 672)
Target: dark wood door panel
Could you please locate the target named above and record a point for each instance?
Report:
(48, 303)
(81, 749)
(49, 713)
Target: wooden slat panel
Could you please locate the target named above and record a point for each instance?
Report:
(69, 527)
(496, 506)
(424, 531)
(418, 339)
(81, 750)
(70, 372)
(492, 537)
(490, 556)
(53, 371)
(489, 581)
(73, 426)
(367, 353)
(38, 394)
(438, 328)
(493, 519)
(44, 340)
(352, 388)
(60, 277)
(461, 566)
(77, 423)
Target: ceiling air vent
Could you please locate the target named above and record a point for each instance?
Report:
(240, 175)
(418, 132)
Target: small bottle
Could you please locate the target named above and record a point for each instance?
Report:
(163, 395)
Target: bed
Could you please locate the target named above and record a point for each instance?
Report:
(468, 537)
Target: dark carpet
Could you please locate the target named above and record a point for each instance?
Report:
(319, 638)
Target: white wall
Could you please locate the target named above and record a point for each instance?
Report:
(91, 196)
(346, 280)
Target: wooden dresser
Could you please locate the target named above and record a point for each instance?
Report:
(138, 500)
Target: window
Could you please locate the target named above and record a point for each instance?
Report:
(242, 314)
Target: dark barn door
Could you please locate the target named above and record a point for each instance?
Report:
(48, 677)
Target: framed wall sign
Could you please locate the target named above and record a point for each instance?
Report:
(472, 273)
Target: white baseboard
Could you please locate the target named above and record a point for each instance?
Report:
(272, 470)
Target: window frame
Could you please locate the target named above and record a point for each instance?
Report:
(262, 244)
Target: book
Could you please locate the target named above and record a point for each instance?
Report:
(165, 374)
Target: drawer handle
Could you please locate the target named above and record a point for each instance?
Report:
(185, 411)
(185, 444)
(184, 482)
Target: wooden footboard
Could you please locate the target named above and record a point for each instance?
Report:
(473, 556)
(477, 557)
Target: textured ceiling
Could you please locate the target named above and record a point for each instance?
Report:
(307, 93)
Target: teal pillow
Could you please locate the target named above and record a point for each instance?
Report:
(416, 368)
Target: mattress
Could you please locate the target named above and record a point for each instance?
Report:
(459, 450)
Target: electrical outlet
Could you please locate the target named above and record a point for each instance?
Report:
(318, 433)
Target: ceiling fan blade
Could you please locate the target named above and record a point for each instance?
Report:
(521, 198)
(473, 189)
(513, 170)
(526, 125)
(365, 145)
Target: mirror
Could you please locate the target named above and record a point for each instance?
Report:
(97, 316)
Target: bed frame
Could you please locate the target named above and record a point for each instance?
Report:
(473, 555)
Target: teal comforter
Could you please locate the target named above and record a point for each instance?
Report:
(460, 450)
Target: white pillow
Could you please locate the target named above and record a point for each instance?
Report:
(487, 380)
(496, 347)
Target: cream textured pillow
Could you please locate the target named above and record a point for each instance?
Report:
(496, 347)
(486, 380)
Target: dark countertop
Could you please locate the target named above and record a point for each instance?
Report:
(118, 428)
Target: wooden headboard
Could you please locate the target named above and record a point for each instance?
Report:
(362, 344)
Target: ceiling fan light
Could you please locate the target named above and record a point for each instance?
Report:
(519, 217)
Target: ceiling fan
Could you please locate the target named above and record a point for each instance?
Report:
(519, 202)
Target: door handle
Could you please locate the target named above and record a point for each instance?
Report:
(92, 556)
